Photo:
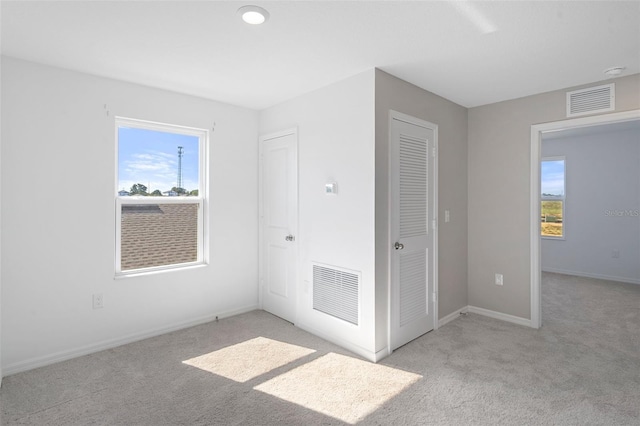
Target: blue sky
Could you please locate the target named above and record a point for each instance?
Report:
(552, 173)
(151, 158)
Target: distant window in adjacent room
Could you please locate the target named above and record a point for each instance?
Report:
(159, 196)
(552, 172)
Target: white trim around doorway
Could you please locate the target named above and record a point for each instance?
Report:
(534, 219)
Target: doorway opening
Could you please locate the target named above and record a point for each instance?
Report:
(537, 133)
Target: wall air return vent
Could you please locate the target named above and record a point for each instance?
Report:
(336, 292)
(592, 100)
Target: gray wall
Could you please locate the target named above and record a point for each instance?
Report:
(310, 113)
(0, 222)
(602, 203)
(499, 161)
(395, 94)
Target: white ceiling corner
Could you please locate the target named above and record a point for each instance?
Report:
(473, 53)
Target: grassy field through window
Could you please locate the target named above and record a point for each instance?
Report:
(551, 218)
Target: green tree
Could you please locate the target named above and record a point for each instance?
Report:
(179, 190)
(138, 189)
(156, 193)
(194, 193)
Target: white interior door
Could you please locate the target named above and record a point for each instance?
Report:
(279, 221)
(412, 217)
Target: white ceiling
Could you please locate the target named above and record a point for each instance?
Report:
(204, 49)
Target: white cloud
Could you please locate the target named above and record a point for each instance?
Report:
(156, 170)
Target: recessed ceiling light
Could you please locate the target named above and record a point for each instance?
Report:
(614, 71)
(254, 15)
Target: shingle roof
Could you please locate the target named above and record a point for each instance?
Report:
(158, 234)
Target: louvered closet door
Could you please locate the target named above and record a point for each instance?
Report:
(412, 239)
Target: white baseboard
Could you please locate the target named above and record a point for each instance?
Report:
(368, 355)
(452, 316)
(42, 361)
(499, 315)
(382, 353)
(596, 276)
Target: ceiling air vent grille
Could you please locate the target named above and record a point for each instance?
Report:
(592, 100)
(336, 292)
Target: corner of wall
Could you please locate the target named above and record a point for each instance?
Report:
(0, 219)
(393, 93)
(336, 134)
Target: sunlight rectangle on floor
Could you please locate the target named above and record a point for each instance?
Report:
(339, 386)
(249, 359)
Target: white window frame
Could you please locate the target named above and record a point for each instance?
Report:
(201, 199)
(562, 198)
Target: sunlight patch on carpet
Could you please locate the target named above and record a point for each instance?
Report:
(339, 386)
(249, 359)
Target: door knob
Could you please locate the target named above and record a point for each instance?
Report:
(398, 246)
(290, 238)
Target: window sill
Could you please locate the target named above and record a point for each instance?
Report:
(160, 270)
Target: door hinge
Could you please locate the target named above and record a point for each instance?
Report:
(434, 224)
(435, 296)
(433, 151)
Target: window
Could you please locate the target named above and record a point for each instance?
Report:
(160, 196)
(552, 172)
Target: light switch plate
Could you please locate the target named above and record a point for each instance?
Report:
(331, 188)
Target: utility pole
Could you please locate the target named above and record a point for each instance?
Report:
(180, 153)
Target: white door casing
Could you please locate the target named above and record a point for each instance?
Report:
(412, 228)
(534, 194)
(279, 223)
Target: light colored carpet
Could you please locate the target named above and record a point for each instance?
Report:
(340, 386)
(581, 368)
(247, 360)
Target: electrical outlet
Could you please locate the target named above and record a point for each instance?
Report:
(499, 279)
(97, 301)
(615, 254)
